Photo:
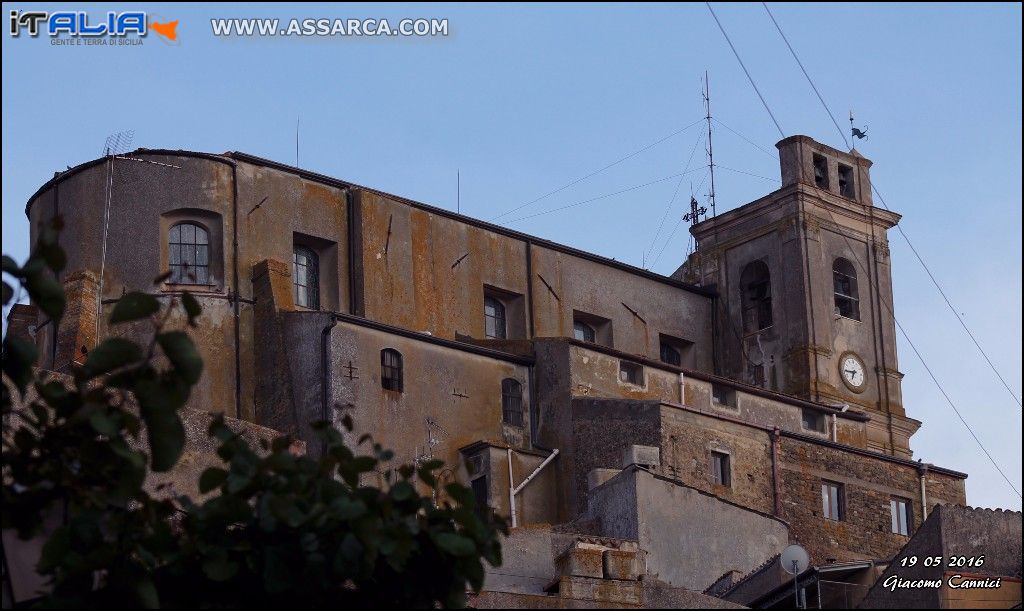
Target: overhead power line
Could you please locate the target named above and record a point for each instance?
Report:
(804, 70)
(902, 233)
(596, 172)
(748, 173)
(745, 71)
(949, 304)
(747, 140)
(881, 299)
(675, 193)
(605, 196)
(671, 235)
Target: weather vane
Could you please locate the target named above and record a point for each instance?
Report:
(858, 133)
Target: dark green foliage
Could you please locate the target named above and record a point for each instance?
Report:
(275, 529)
(287, 530)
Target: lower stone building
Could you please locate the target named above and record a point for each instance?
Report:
(656, 441)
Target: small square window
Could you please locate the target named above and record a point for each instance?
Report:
(723, 396)
(811, 420)
(820, 172)
(846, 181)
(720, 469)
(631, 373)
(833, 499)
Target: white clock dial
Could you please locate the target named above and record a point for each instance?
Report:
(853, 371)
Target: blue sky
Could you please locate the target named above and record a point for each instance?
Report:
(522, 100)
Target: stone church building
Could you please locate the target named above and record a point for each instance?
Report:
(656, 440)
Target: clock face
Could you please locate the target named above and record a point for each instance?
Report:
(852, 370)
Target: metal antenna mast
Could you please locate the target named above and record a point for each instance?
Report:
(710, 150)
(114, 146)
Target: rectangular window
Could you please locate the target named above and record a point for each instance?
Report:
(846, 181)
(669, 355)
(833, 499)
(756, 374)
(631, 373)
(591, 328)
(723, 396)
(504, 314)
(494, 318)
(720, 473)
(512, 402)
(902, 515)
(820, 172)
(675, 351)
(391, 369)
(812, 421)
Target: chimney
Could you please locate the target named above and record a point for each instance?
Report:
(76, 335)
(22, 321)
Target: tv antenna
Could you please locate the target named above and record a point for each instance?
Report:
(118, 143)
(794, 561)
(710, 151)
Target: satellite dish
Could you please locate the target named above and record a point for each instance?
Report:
(794, 559)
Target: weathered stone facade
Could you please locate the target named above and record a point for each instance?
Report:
(737, 388)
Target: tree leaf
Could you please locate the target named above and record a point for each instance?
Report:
(402, 490)
(8, 292)
(113, 353)
(10, 267)
(104, 424)
(182, 353)
(145, 589)
(211, 478)
(19, 358)
(348, 509)
(133, 306)
(192, 307)
(220, 569)
(158, 402)
(454, 544)
(53, 254)
(46, 293)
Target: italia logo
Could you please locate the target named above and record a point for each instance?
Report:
(79, 24)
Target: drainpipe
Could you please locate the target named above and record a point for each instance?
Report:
(682, 388)
(922, 471)
(514, 490)
(776, 493)
(237, 321)
(835, 421)
(325, 381)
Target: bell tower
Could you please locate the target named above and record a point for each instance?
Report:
(805, 291)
